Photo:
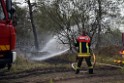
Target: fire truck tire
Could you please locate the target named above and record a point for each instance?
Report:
(9, 65)
(2, 65)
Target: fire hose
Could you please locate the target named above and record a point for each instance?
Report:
(74, 64)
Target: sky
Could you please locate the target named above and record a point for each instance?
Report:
(122, 29)
(22, 2)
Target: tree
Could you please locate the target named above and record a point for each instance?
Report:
(99, 19)
(33, 25)
(94, 16)
(23, 29)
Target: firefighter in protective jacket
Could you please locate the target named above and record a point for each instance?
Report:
(84, 52)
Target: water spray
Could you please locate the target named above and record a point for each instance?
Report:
(51, 49)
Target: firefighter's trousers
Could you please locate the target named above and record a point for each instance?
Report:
(88, 61)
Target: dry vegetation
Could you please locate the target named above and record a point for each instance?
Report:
(58, 70)
(106, 55)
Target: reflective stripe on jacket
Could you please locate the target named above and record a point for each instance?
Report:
(83, 46)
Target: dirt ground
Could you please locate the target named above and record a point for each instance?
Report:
(102, 74)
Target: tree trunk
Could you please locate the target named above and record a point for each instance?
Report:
(99, 15)
(33, 26)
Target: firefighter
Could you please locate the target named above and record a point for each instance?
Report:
(84, 52)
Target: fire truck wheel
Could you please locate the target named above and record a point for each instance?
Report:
(9, 65)
(2, 65)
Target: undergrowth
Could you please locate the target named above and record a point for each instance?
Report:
(64, 60)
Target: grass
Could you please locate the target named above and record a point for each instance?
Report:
(107, 59)
(23, 64)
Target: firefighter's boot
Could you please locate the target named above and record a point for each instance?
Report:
(77, 71)
(90, 71)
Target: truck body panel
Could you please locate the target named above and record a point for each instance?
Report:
(7, 35)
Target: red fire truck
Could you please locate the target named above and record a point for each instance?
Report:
(7, 34)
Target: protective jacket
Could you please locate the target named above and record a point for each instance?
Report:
(83, 44)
